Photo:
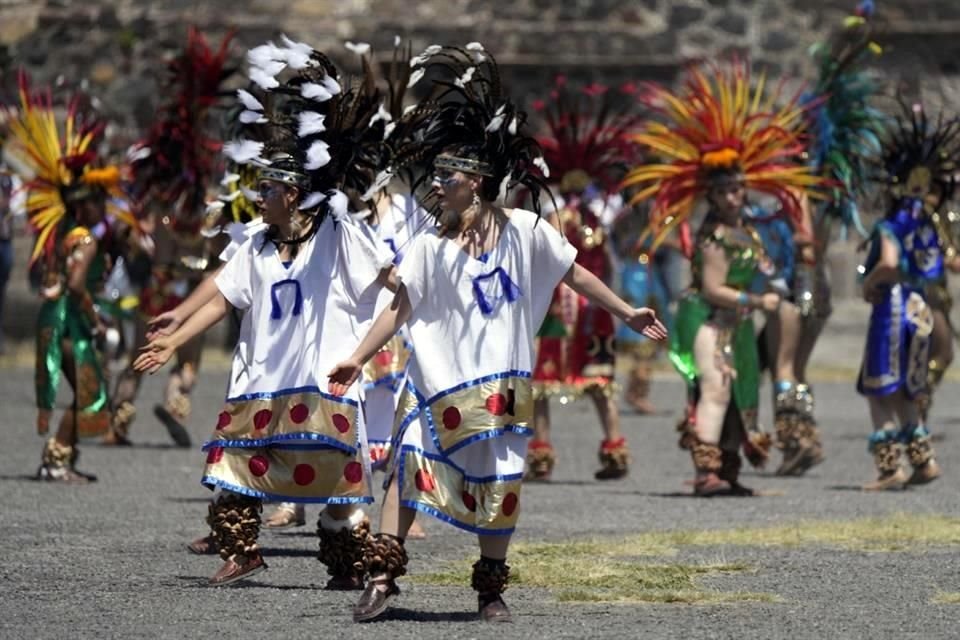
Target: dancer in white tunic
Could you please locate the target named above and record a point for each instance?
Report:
(307, 285)
(473, 294)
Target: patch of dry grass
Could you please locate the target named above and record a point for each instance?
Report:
(944, 597)
(608, 570)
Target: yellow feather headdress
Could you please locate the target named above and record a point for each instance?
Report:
(718, 121)
(62, 162)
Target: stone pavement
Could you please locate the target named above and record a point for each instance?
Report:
(108, 560)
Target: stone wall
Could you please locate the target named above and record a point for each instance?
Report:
(117, 44)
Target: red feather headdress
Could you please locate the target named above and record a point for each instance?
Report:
(588, 134)
(179, 157)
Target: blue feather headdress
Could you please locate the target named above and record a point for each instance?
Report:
(846, 130)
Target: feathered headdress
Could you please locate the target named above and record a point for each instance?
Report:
(470, 113)
(919, 154)
(844, 128)
(180, 156)
(236, 200)
(718, 122)
(304, 128)
(397, 121)
(64, 163)
(588, 134)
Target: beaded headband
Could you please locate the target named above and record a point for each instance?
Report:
(466, 165)
(281, 175)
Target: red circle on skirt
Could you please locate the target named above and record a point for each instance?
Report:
(451, 418)
(497, 404)
(383, 358)
(341, 423)
(258, 465)
(303, 474)
(299, 413)
(353, 472)
(469, 501)
(510, 504)
(262, 418)
(424, 481)
(223, 420)
(215, 455)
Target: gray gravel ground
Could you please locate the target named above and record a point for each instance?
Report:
(108, 561)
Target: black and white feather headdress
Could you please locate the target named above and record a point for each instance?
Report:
(470, 124)
(305, 127)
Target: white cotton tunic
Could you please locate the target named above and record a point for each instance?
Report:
(464, 421)
(281, 435)
(384, 375)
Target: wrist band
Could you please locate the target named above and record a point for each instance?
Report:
(743, 299)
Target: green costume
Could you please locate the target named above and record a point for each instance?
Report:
(736, 341)
(65, 323)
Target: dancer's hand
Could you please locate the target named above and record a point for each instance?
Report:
(343, 375)
(643, 320)
(770, 302)
(163, 324)
(154, 355)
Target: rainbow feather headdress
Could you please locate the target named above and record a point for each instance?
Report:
(717, 122)
(64, 163)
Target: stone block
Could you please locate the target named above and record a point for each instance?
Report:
(684, 15)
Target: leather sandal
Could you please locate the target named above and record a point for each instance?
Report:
(232, 570)
(375, 599)
(493, 608)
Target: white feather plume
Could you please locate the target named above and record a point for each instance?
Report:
(249, 101)
(512, 127)
(229, 197)
(243, 151)
(314, 91)
(496, 123)
(318, 155)
(465, 79)
(474, 46)
(415, 77)
(541, 164)
(310, 122)
(264, 55)
(396, 41)
(381, 114)
(136, 152)
(296, 54)
(249, 193)
(339, 205)
(263, 79)
(214, 207)
(330, 85)
(409, 109)
(228, 179)
(387, 130)
(359, 48)
(312, 200)
(251, 117)
(380, 182)
(428, 53)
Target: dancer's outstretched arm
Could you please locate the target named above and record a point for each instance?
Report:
(159, 350)
(387, 324)
(642, 320)
(167, 322)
